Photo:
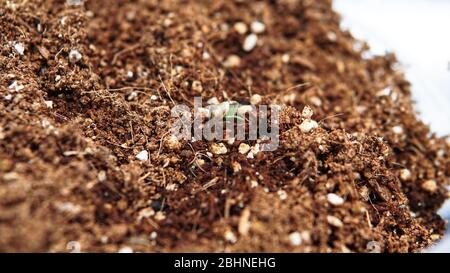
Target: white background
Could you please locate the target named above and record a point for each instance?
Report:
(418, 31)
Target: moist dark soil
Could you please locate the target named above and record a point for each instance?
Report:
(86, 88)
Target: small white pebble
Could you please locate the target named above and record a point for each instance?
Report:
(172, 142)
(125, 249)
(171, 187)
(240, 28)
(153, 235)
(130, 74)
(132, 96)
(167, 22)
(74, 56)
(244, 148)
(104, 239)
(101, 176)
(435, 237)
(8, 97)
(405, 174)
(145, 213)
(308, 125)
(335, 199)
(285, 58)
(253, 151)
(230, 237)
(45, 123)
(295, 238)
(232, 61)
(430, 186)
(332, 36)
(250, 42)
(63, 23)
(307, 112)
(206, 55)
(16, 86)
(74, 247)
(49, 104)
(218, 149)
(178, 70)
(373, 247)
(282, 194)
(258, 27)
(142, 156)
(153, 97)
(316, 101)
(236, 167)
(334, 221)
(68, 207)
(361, 109)
(255, 99)
(160, 216)
(20, 48)
(256, 149)
(398, 130)
(57, 78)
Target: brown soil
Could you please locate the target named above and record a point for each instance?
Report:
(69, 172)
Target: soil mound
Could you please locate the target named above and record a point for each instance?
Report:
(87, 161)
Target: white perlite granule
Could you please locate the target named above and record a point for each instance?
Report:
(257, 27)
(308, 125)
(142, 156)
(335, 199)
(295, 238)
(218, 149)
(250, 42)
(19, 48)
(74, 56)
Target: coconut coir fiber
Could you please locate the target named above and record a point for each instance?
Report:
(85, 88)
